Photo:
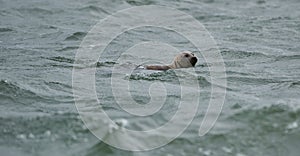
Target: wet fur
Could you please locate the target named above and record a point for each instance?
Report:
(185, 59)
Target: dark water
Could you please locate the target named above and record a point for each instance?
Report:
(259, 41)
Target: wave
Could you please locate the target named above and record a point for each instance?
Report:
(105, 64)
(94, 9)
(76, 36)
(63, 62)
(139, 2)
(268, 118)
(294, 84)
(152, 76)
(6, 29)
(14, 93)
(251, 80)
(61, 59)
(238, 54)
(35, 11)
(67, 48)
(287, 57)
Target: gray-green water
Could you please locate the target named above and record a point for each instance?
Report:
(259, 41)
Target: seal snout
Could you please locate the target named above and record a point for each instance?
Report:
(193, 61)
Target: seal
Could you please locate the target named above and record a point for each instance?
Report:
(185, 59)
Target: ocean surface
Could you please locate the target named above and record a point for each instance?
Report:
(259, 42)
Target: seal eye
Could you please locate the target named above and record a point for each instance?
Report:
(186, 55)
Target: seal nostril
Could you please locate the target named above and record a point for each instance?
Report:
(193, 61)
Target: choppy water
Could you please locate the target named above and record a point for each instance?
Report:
(259, 41)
